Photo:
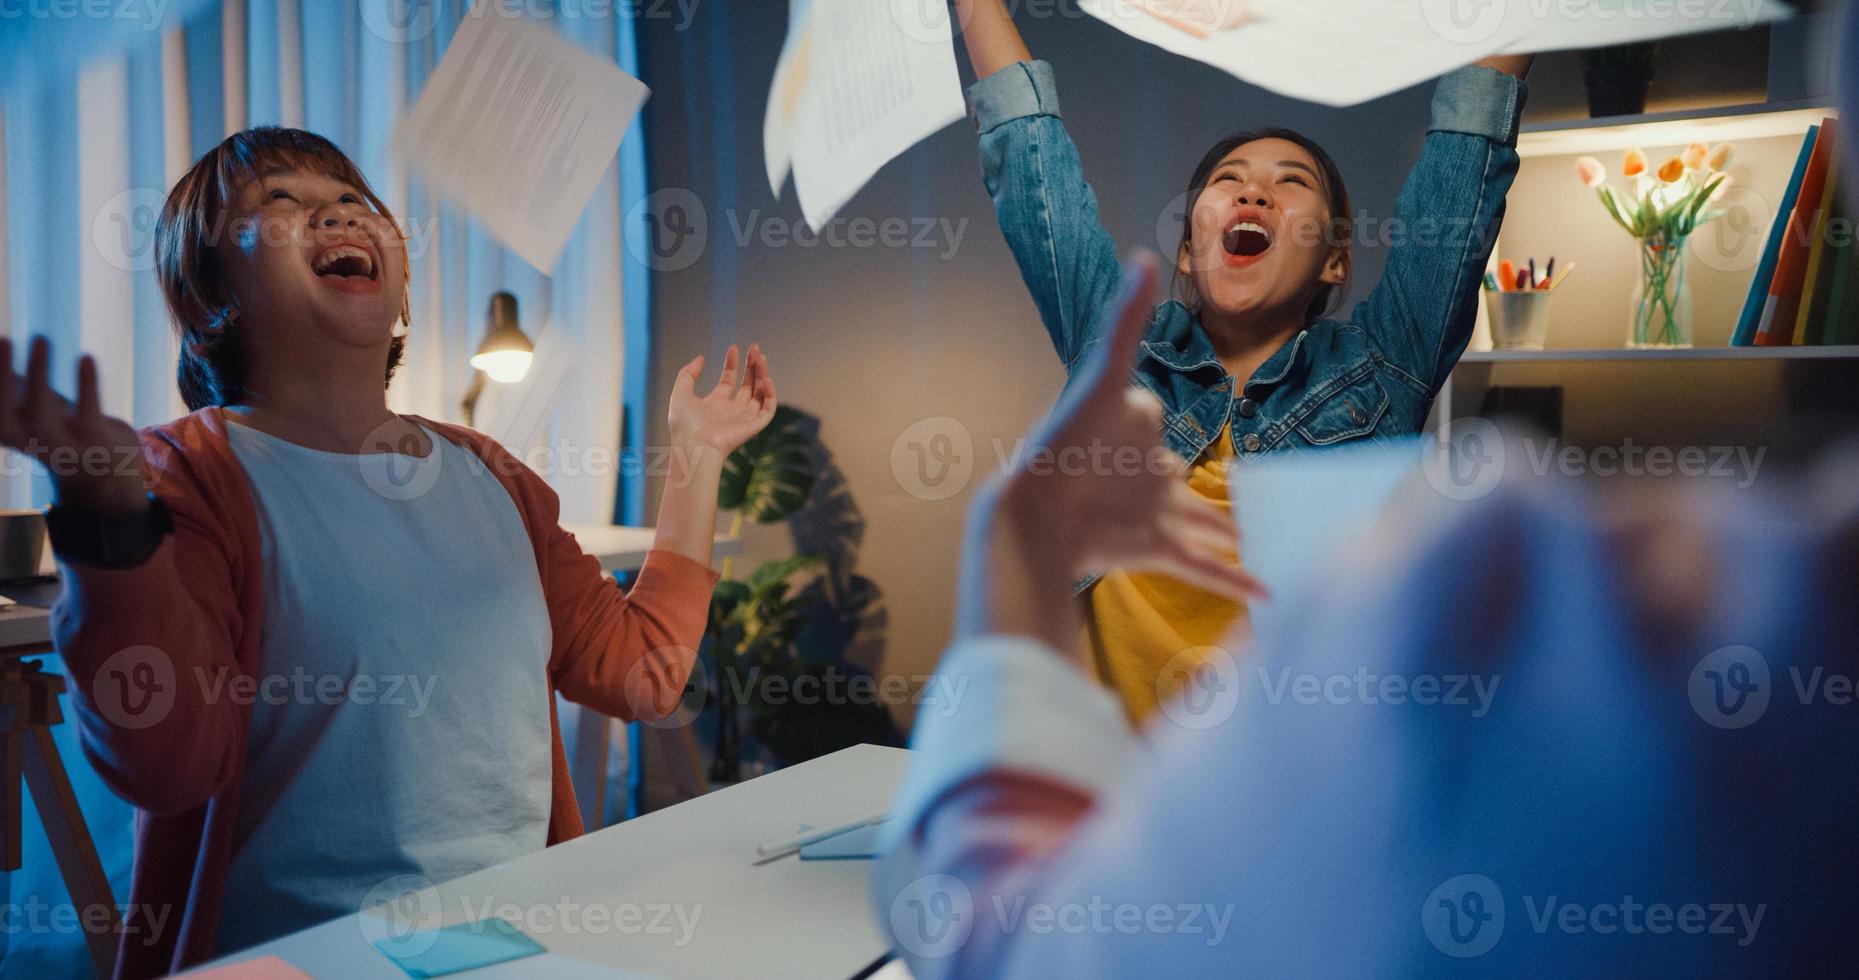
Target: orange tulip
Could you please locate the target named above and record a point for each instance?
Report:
(1590, 172)
(1719, 156)
(1635, 164)
(1671, 170)
(1693, 156)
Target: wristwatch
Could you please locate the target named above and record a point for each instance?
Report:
(84, 537)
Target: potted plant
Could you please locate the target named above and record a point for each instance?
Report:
(760, 624)
(1661, 210)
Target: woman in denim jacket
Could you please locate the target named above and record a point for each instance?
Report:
(1247, 360)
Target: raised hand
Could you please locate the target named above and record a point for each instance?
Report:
(94, 459)
(1097, 490)
(740, 405)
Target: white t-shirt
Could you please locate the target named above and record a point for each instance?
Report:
(400, 724)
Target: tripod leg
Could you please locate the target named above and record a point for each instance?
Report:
(72, 846)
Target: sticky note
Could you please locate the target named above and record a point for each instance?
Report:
(262, 968)
(465, 946)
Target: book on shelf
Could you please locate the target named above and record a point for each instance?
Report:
(1745, 334)
(1814, 287)
(1782, 307)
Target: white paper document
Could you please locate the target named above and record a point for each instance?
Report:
(858, 83)
(1345, 52)
(517, 125)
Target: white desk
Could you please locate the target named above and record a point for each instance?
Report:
(788, 918)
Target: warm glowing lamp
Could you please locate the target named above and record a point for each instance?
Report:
(503, 357)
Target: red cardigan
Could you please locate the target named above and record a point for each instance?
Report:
(200, 602)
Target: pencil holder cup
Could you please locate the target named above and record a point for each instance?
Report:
(1519, 320)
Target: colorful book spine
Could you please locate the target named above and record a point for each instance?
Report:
(1842, 323)
(1813, 313)
(1784, 301)
(1745, 333)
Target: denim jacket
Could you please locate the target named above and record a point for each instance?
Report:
(1370, 377)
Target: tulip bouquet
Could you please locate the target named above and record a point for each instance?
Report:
(1662, 210)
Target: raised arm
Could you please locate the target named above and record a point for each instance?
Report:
(630, 655)
(1446, 221)
(1047, 213)
(992, 40)
(147, 625)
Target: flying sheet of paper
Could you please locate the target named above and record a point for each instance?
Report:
(785, 94)
(517, 125)
(859, 82)
(1558, 26)
(1345, 52)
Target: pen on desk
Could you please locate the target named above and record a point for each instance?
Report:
(779, 849)
(1530, 283)
(1549, 272)
(1491, 283)
(1507, 274)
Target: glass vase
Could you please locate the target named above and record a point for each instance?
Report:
(1660, 312)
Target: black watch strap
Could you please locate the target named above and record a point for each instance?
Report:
(81, 537)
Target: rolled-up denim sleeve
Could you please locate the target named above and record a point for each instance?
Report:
(1445, 224)
(1047, 211)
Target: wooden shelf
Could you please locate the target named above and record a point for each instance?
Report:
(1712, 125)
(1681, 354)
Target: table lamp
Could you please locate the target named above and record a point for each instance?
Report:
(504, 355)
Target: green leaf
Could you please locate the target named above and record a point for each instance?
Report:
(770, 476)
(1613, 206)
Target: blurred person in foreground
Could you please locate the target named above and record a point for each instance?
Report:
(1647, 768)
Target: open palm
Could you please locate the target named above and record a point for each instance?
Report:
(741, 404)
(94, 459)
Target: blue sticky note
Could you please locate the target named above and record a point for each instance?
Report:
(465, 946)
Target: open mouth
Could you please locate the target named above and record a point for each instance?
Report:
(1247, 239)
(347, 262)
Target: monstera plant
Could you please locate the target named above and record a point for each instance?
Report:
(771, 636)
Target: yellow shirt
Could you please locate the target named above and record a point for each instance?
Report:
(1148, 631)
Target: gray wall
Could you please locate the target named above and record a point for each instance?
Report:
(874, 339)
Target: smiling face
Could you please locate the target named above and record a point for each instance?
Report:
(1260, 246)
(311, 263)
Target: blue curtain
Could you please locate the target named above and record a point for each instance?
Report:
(99, 118)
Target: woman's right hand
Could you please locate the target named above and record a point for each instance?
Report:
(94, 459)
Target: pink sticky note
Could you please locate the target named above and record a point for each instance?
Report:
(262, 968)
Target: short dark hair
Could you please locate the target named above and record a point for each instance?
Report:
(189, 232)
(1337, 230)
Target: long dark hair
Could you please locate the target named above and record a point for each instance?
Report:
(189, 232)
(1337, 231)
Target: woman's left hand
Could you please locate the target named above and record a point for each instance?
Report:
(736, 409)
